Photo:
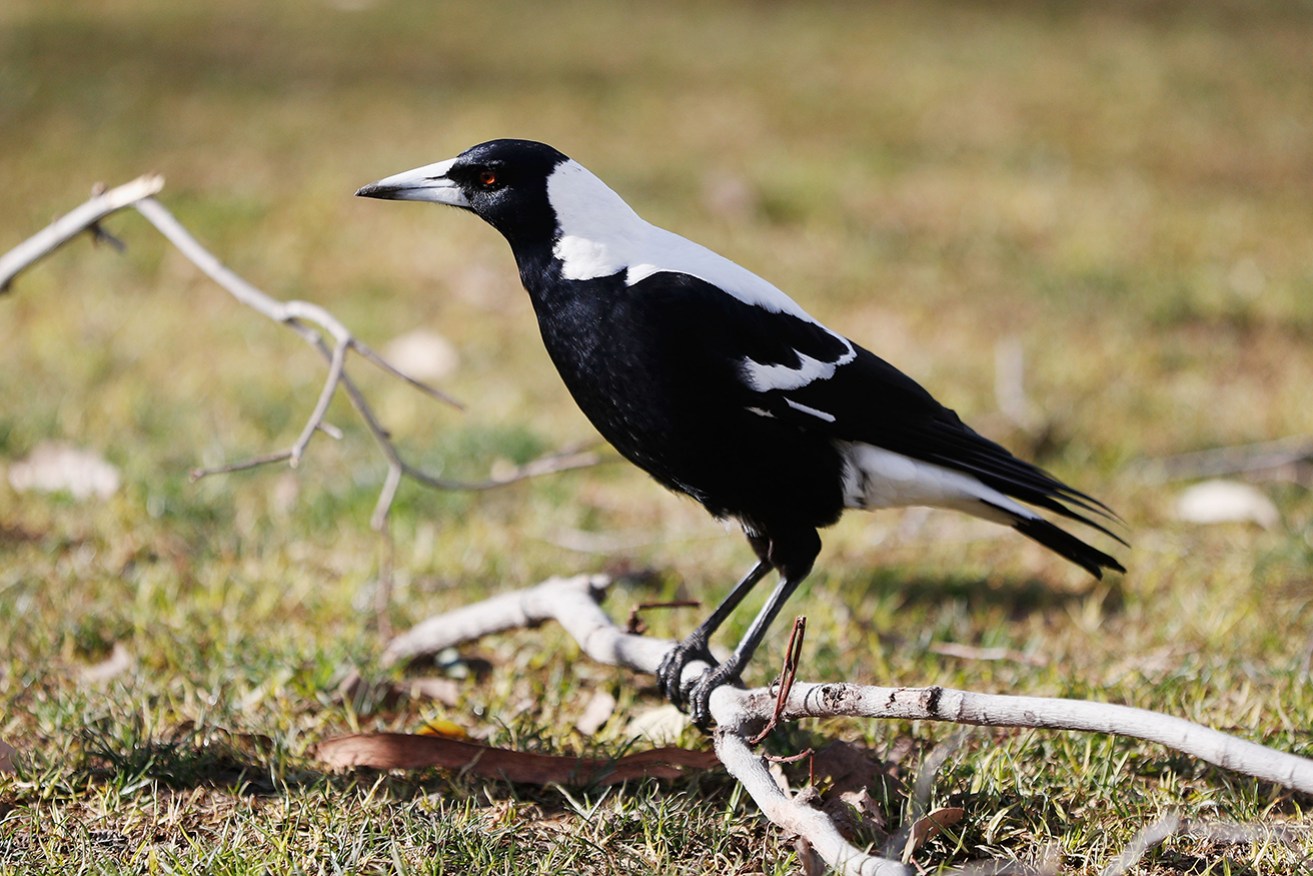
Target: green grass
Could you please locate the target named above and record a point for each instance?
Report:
(1122, 189)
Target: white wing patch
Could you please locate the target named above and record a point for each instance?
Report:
(764, 378)
(815, 412)
(877, 478)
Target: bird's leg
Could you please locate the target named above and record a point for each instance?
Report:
(694, 647)
(700, 696)
(794, 560)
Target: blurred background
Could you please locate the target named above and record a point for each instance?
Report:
(1105, 208)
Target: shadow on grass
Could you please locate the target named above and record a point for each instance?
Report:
(1019, 597)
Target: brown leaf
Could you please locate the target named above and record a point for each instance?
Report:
(812, 863)
(849, 768)
(7, 753)
(928, 826)
(866, 807)
(402, 751)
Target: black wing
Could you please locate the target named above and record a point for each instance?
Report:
(799, 372)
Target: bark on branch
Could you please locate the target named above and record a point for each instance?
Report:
(575, 603)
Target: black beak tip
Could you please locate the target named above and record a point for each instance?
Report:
(372, 190)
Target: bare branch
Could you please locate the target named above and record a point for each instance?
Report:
(197, 474)
(311, 322)
(1247, 459)
(335, 370)
(73, 223)
(575, 604)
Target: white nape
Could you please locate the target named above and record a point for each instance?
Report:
(600, 235)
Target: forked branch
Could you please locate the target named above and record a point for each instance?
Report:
(575, 603)
(312, 323)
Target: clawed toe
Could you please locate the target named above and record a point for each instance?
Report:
(670, 674)
(699, 698)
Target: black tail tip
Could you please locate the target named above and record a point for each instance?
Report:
(1063, 543)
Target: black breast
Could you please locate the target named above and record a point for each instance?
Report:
(654, 367)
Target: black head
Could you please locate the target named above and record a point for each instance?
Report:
(504, 182)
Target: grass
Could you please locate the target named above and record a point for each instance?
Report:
(1121, 189)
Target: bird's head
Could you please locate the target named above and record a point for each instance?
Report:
(504, 182)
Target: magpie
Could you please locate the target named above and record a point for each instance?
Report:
(721, 387)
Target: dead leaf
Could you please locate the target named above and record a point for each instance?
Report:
(812, 863)
(402, 751)
(118, 662)
(53, 467)
(444, 728)
(929, 826)
(857, 779)
(596, 713)
(849, 767)
(660, 726)
(442, 690)
(864, 805)
(7, 753)
(1221, 501)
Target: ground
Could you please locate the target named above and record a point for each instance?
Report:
(1119, 193)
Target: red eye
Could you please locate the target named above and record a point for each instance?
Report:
(487, 178)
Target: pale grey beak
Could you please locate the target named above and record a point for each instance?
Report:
(427, 183)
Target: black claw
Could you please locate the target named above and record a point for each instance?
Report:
(670, 673)
(699, 698)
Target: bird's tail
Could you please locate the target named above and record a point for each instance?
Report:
(1064, 543)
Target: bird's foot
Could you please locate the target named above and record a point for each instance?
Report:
(699, 698)
(670, 674)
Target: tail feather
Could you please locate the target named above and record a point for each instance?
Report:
(1067, 545)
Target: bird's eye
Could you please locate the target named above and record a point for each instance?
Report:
(487, 178)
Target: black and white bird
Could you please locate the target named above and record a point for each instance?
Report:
(720, 386)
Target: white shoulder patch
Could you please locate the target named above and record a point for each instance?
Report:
(601, 235)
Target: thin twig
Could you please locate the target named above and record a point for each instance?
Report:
(311, 322)
(784, 681)
(73, 223)
(1240, 459)
(635, 623)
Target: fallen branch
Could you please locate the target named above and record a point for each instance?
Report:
(315, 325)
(1281, 454)
(575, 604)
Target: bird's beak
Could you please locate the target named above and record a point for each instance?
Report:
(427, 183)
